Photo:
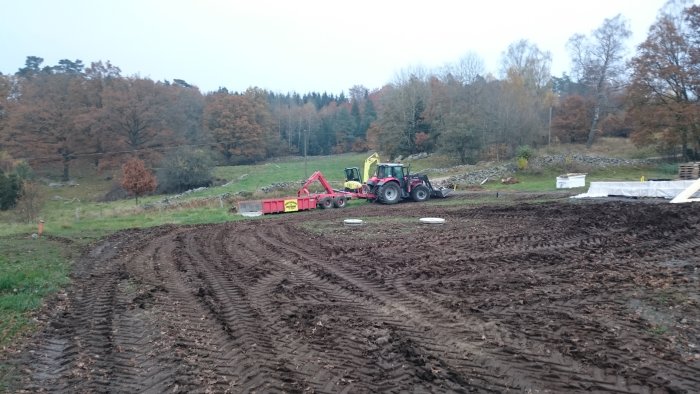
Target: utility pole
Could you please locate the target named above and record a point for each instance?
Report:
(549, 137)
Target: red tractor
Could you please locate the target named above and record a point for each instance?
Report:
(393, 183)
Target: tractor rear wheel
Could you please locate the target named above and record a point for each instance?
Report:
(389, 193)
(420, 193)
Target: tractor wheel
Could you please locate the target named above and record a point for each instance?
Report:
(420, 193)
(325, 202)
(389, 193)
(339, 202)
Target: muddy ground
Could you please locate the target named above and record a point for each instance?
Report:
(563, 296)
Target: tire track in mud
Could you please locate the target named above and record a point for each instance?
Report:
(225, 294)
(76, 354)
(497, 299)
(616, 244)
(350, 350)
(176, 356)
(579, 252)
(390, 350)
(485, 357)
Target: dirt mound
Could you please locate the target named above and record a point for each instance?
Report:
(552, 297)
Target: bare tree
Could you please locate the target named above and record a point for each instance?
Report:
(529, 62)
(525, 94)
(598, 61)
(466, 70)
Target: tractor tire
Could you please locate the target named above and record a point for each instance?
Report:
(420, 193)
(325, 203)
(339, 202)
(389, 193)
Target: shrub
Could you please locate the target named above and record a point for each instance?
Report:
(24, 171)
(522, 163)
(185, 169)
(523, 152)
(10, 190)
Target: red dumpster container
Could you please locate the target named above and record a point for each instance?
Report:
(288, 204)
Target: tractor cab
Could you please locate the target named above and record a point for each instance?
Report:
(393, 170)
(386, 171)
(390, 172)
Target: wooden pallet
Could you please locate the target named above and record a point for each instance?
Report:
(689, 170)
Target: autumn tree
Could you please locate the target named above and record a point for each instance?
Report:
(184, 108)
(598, 62)
(231, 121)
(44, 118)
(136, 179)
(96, 123)
(134, 114)
(572, 118)
(240, 125)
(665, 82)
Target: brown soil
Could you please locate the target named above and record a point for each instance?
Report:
(542, 297)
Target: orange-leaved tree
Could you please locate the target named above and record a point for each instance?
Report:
(137, 179)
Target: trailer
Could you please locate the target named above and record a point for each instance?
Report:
(303, 201)
(276, 205)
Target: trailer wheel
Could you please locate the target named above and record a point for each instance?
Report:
(420, 193)
(325, 202)
(390, 193)
(339, 202)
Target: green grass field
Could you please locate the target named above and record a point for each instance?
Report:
(30, 269)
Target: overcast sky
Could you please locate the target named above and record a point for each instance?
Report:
(297, 45)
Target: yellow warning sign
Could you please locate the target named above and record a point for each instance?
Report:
(290, 205)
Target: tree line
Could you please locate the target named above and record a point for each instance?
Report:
(71, 111)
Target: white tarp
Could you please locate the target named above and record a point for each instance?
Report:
(663, 189)
(569, 181)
